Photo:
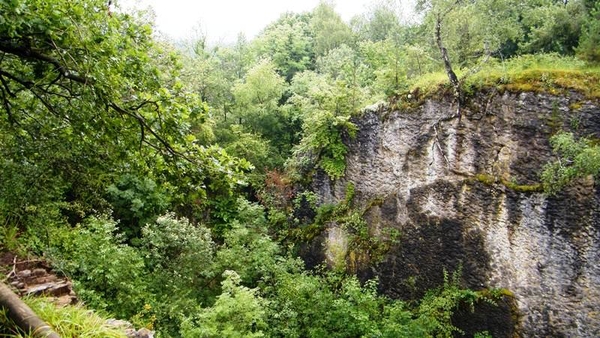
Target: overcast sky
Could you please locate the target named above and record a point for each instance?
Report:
(222, 20)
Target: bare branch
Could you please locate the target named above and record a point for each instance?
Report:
(147, 102)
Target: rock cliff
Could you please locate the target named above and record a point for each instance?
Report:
(463, 193)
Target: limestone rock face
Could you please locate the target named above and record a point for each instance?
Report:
(459, 192)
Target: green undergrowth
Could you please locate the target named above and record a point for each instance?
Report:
(577, 158)
(438, 305)
(542, 73)
(67, 321)
(363, 246)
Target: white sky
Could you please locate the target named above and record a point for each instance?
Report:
(222, 20)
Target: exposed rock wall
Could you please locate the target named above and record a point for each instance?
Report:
(438, 181)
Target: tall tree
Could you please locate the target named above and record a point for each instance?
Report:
(257, 106)
(465, 31)
(589, 41)
(379, 23)
(329, 30)
(84, 97)
(289, 43)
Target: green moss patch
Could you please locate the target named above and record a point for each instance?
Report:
(542, 73)
(524, 188)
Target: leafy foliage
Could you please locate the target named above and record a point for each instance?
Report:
(589, 41)
(289, 43)
(98, 118)
(108, 273)
(131, 119)
(323, 136)
(329, 30)
(136, 201)
(576, 159)
(238, 312)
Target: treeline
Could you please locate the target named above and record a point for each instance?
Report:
(305, 73)
(165, 182)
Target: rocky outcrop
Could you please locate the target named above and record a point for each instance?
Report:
(34, 277)
(462, 193)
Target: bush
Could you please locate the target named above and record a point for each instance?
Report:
(136, 201)
(175, 246)
(238, 312)
(576, 159)
(108, 273)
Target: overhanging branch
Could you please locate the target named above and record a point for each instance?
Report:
(146, 127)
(31, 53)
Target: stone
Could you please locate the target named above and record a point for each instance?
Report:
(24, 273)
(39, 272)
(439, 181)
(50, 289)
(129, 330)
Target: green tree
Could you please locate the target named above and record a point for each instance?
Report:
(379, 23)
(212, 74)
(324, 107)
(257, 107)
(86, 96)
(259, 94)
(346, 68)
(589, 41)
(551, 26)
(289, 43)
(328, 28)
(247, 247)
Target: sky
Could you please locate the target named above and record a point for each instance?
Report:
(222, 20)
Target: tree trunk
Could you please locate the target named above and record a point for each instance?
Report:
(447, 65)
(23, 316)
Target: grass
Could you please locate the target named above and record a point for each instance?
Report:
(68, 321)
(543, 73)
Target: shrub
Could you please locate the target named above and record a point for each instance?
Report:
(238, 312)
(108, 273)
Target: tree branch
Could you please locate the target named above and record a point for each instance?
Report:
(145, 126)
(6, 103)
(24, 83)
(27, 52)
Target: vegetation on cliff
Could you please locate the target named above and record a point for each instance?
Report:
(166, 182)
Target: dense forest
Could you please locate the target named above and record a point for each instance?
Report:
(171, 180)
